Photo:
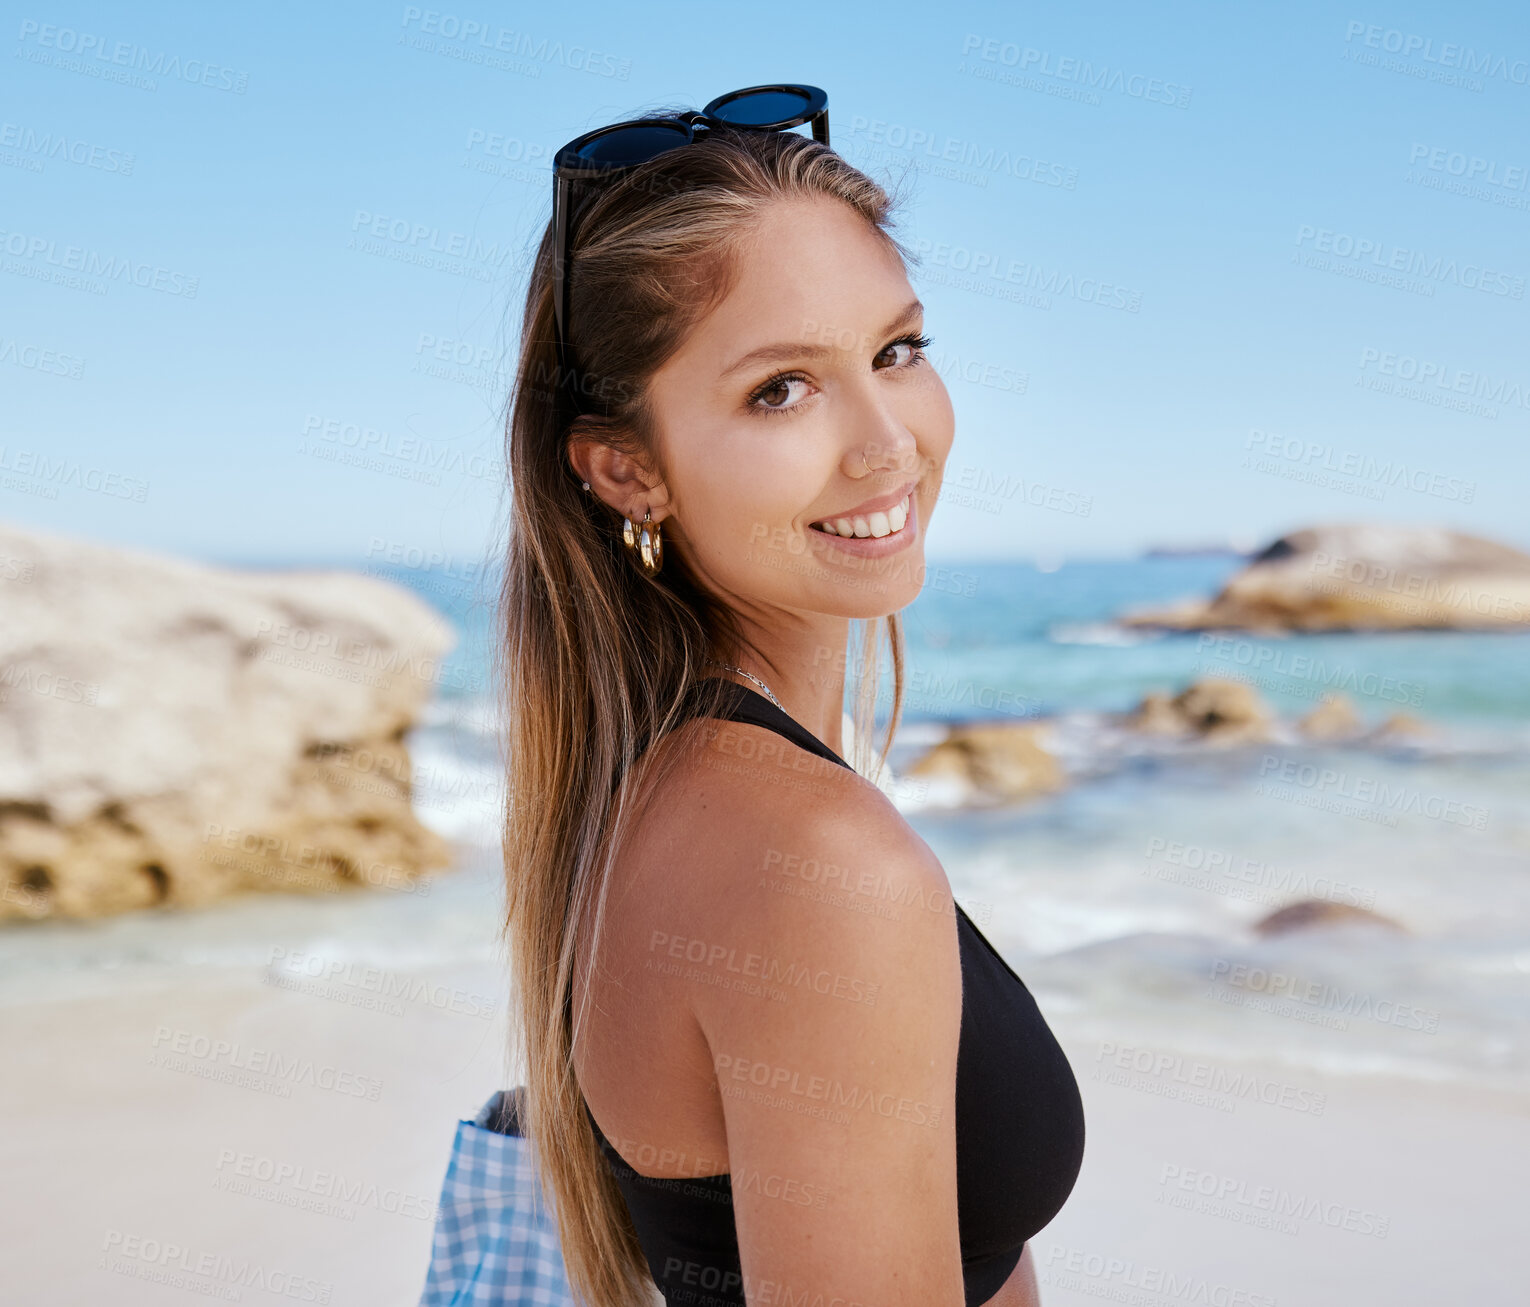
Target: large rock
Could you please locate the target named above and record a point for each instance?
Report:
(1361, 576)
(998, 761)
(172, 732)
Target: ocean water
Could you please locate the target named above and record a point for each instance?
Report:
(1128, 901)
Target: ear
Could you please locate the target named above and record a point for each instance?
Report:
(617, 476)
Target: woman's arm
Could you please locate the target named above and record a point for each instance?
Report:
(839, 1101)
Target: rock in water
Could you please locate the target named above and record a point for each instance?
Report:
(1157, 715)
(1305, 914)
(1222, 709)
(1334, 718)
(1401, 727)
(1361, 576)
(1215, 708)
(171, 732)
(1000, 761)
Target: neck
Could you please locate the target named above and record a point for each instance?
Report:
(804, 666)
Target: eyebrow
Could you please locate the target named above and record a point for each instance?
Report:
(788, 350)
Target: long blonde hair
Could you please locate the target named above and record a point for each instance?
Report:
(597, 659)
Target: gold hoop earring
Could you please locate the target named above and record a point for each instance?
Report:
(646, 540)
(651, 546)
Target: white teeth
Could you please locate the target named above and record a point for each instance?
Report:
(869, 525)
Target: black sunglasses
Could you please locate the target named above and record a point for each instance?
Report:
(608, 151)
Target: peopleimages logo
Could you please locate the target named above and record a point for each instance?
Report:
(36, 359)
(1332, 781)
(1469, 167)
(1066, 68)
(482, 36)
(45, 252)
(124, 54)
(59, 147)
(1382, 472)
(969, 154)
(1426, 373)
(1447, 54)
(992, 266)
(1416, 263)
(208, 1272)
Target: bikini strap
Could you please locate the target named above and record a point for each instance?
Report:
(754, 709)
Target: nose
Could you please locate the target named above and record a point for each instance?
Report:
(881, 442)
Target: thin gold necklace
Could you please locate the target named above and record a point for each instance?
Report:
(729, 667)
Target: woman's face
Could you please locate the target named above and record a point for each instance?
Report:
(803, 398)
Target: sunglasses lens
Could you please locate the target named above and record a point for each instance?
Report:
(762, 108)
(633, 144)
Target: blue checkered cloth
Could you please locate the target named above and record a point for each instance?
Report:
(496, 1242)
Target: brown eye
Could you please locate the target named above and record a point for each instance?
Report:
(774, 396)
(777, 389)
(916, 345)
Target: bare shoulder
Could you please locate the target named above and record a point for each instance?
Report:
(750, 824)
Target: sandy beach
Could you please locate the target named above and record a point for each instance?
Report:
(154, 1129)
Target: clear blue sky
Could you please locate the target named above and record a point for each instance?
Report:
(1239, 177)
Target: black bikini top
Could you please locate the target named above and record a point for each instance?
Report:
(1019, 1126)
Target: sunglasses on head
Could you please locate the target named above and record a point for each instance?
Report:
(610, 151)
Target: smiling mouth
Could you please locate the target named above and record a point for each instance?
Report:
(868, 525)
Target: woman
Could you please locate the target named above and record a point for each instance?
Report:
(768, 1058)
